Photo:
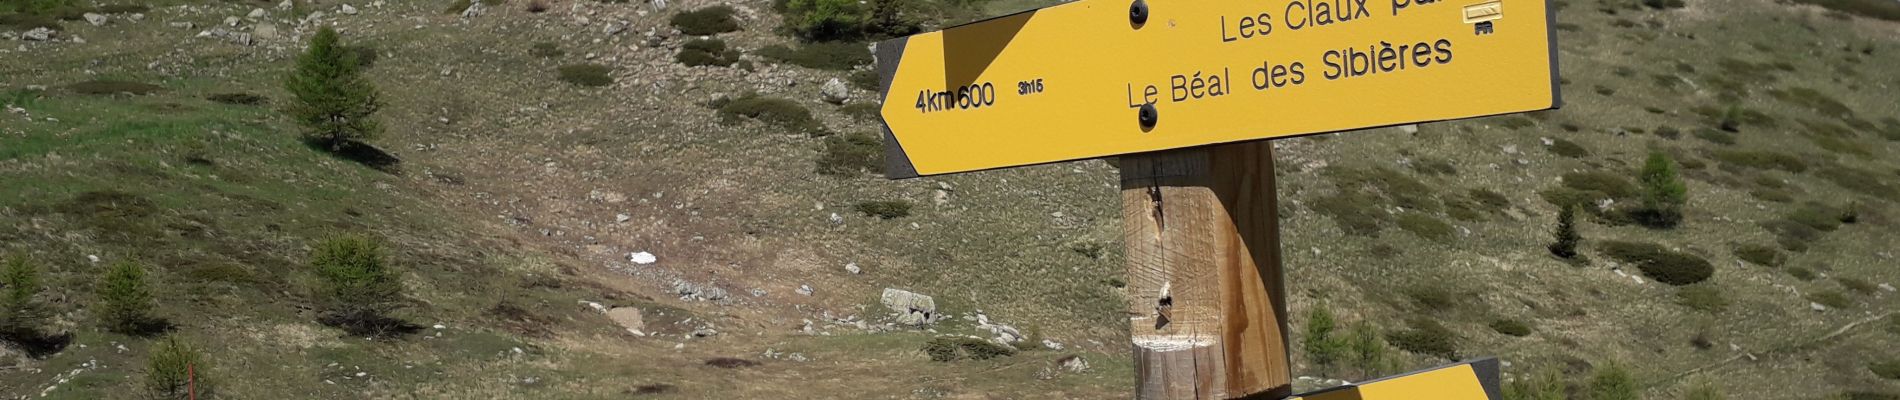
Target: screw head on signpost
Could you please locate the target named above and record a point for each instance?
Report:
(1148, 115)
(1138, 12)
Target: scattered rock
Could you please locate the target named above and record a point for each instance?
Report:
(1074, 364)
(1886, 287)
(836, 219)
(804, 290)
(691, 291)
(265, 32)
(853, 268)
(622, 217)
(1816, 306)
(182, 25)
(286, 5)
(475, 9)
(629, 318)
(346, 10)
(615, 28)
(1409, 129)
(642, 258)
(256, 13)
(38, 35)
(1052, 345)
(95, 19)
(835, 91)
(233, 21)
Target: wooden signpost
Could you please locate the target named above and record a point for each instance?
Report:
(1184, 92)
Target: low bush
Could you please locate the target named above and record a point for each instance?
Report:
(949, 348)
(1545, 385)
(1668, 132)
(26, 22)
(1426, 337)
(1715, 136)
(109, 87)
(869, 80)
(771, 110)
(1568, 148)
(865, 112)
(1702, 297)
(1830, 298)
(1511, 327)
(1762, 160)
(1885, 369)
(1664, 4)
(839, 56)
(239, 98)
(1612, 382)
(1659, 263)
(1434, 166)
(1762, 255)
(1609, 184)
(884, 209)
(730, 363)
(703, 52)
(1859, 180)
(1432, 297)
(546, 50)
(1425, 226)
(1356, 213)
(1856, 285)
(586, 74)
(849, 155)
(706, 21)
(1802, 273)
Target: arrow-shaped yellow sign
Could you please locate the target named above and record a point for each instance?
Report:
(1471, 380)
(1098, 78)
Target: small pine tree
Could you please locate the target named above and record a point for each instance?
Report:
(1664, 193)
(1567, 237)
(357, 289)
(20, 313)
(125, 300)
(1322, 348)
(334, 101)
(1367, 350)
(175, 370)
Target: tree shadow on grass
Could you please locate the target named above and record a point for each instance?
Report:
(38, 345)
(360, 153)
(376, 327)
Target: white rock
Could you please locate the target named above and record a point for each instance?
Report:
(834, 91)
(182, 25)
(642, 258)
(440, 326)
(1886, 287)
(1051, 344)
(622, 217)
(853, 268)
(346, 10)
(286, 5)
(1510, 149)
(1409, 129)
(38, 34)
(256, 13)
(93, 258)
(475, 9)
(233, 20)
(1816, 306)
(95, 19)
(836, 219)
(804, 290)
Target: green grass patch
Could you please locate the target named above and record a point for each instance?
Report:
(1568, 148)
(1425, 337)
(772, 111)
(884, 209)
(108, 87)
(1763, 160)
(1702, 297)
(1885, 369)
(546, 50)
(850, 155)
(1609, 184)
(1762, 255)
(1510, 327)
(1830, 298)
(1425, 226)
(953, 348)
(706, 52)
(1715, 136)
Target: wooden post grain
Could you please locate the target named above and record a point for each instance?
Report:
(1207, 309)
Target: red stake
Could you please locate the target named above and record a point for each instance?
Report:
(191, 381)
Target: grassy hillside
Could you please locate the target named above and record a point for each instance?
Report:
(512, 197)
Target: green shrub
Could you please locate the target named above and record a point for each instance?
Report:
(1425, 226)
(1566, 234)
(1813, 100)
(1821, 217)
(1664, 4)
(1511, 327)
(869, 80)
(824, 20)
(1760, 255)
(26, 22)
(1401, 189)
(124, 302)
(1659, 263)
(839, 56)
(1356, 213)
(706, 21)
(366, 56)
(1830, 298)
(1492, 199)
(1885, 369)
(1434, 166)
(1365, 351)
(849, 155)
(1432, 296)
(1702, 297)
(123, 9)
(334, 102)
(701, 52)
(594, 75)
(21, 312)
(1568, 148)
(1426, 337)
(1668, 132)
(1545, 385)
(884, 209)
(1612, 382)
(1715, 136)
(355, 288)
(1867, 395)
(949, 348)
(546, 50)
(770, 110)
(239, 98)
(1322, 348)
(1859, 180)
(108, 87)
(175, 370)
(1802, 273)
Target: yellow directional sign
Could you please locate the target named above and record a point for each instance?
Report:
(1473, 380)
(1097, 78)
